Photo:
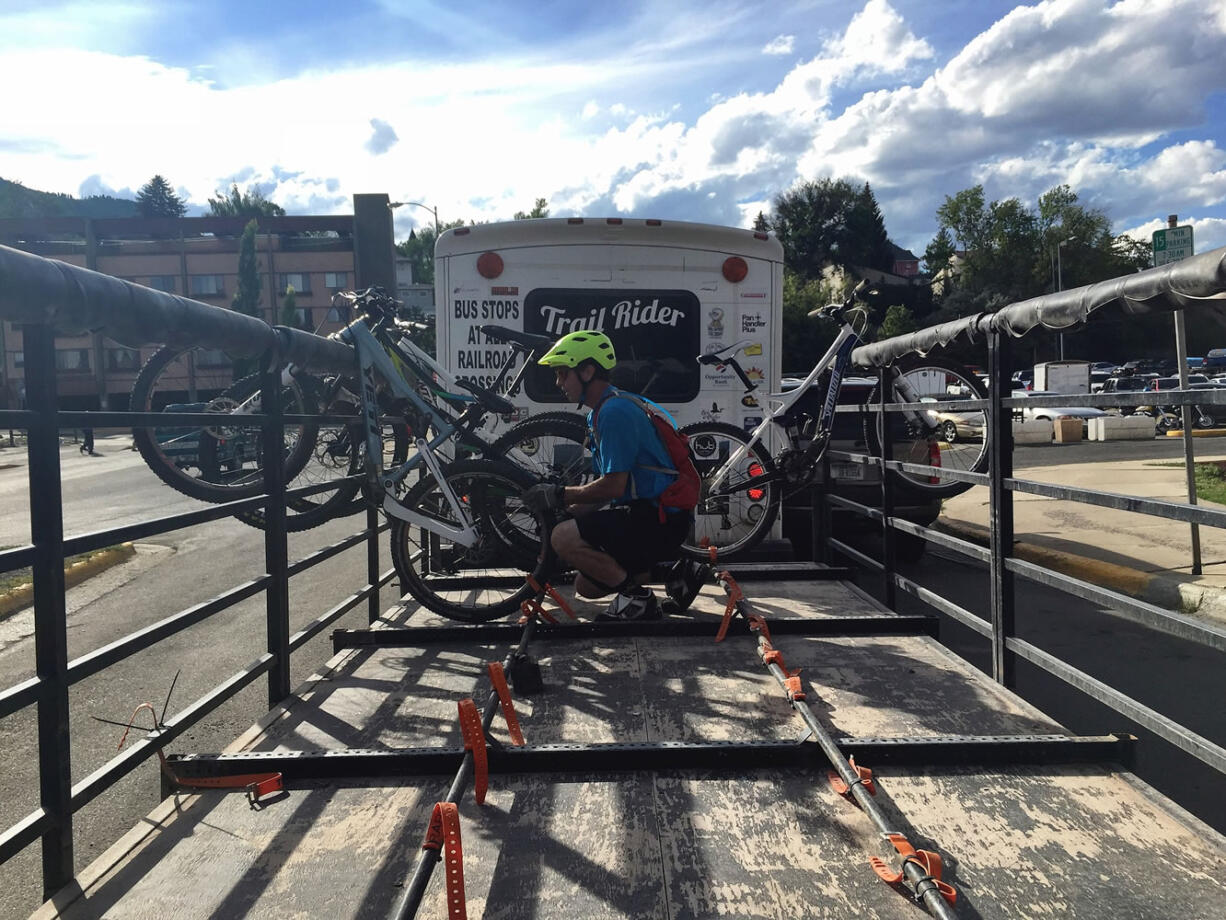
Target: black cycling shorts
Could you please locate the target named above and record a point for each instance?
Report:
(633, 535)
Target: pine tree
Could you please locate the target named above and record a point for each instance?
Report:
(247, 296)
(157, 199)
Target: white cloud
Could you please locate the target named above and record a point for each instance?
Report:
(780, 44)
(1076, 91)
(1208, 233)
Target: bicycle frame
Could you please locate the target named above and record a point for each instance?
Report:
(372, 360)
(838, 359)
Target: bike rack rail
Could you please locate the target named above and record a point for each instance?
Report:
(1196, 283)
(47, 296)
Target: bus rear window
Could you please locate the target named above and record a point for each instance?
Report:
(655, 334)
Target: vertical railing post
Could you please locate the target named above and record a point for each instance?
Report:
(50, 616)
(1000, 505)
(1189, 454)
(276, 549)
(885, 389)
(372, 562)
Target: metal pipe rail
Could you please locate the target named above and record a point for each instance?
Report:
(47, 296)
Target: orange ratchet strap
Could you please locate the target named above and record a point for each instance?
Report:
(498, 678)
(927, 860)
(474, 740)
(256, 785)
(444, 834)
(734, 594)
(865, 774)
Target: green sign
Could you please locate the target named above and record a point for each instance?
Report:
(1172, 244)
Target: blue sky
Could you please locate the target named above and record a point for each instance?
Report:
(682, 110)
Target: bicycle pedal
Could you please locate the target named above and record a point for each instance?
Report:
(526, 675)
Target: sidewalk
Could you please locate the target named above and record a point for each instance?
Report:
(1146, 557)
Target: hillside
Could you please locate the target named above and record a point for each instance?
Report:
(18, 201)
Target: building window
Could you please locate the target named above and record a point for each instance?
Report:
(72, 359)
(303, 318)
(336, 281)
(299, 281)
(19, 358)
(211, 357)
(163, 283)
(122, 359)
(207, 285)
(334, 315)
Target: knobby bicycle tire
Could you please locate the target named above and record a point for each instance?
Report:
(732, 518)
(485, 581)
(213, 463)
(552, 446)
(941, 380)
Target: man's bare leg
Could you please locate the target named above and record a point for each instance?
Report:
(593, 565)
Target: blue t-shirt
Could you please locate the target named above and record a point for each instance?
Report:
(629, 443)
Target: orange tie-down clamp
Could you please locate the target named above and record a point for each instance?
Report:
(474, 740)
(865, 779)
(499, 680)
(443, 834)
(927, 860)
(533, 607)
(255, 785)
(735, 595)
(791, 679)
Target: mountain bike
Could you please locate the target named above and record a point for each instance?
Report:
(747, 474)
(222, 461)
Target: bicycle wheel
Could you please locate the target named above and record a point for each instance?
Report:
(212, 461)
(337, 452)
(730, 516)
(550, 446)
(484, 581)
(933, 379)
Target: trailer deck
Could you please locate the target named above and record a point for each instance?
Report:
(665, 776)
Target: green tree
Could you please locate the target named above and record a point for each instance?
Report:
(898, 321)
(250, 203)
(939, 253)
(830, 222)
(805, 338)
(760, 223)
(419, 249)
(289, 308)
(540, 209)
(157, 199)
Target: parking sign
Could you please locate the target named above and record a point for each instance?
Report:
(1172, 244)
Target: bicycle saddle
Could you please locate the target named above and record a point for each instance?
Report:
(488, 398)
(526, 339)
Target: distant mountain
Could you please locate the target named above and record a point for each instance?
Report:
(18, 201)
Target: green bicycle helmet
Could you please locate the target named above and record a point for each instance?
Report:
(576, 347)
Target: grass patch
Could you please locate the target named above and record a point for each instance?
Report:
(1211, 482)
(23, 576)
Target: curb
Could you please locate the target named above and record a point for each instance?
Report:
(1198, 433)
(23, 595)
(1156, 589)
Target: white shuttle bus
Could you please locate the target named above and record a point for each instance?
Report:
(663, 291)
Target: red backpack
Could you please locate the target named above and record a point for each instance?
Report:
(684, 491)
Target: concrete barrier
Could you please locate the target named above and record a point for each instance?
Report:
(1121, 428)
(1035, 431)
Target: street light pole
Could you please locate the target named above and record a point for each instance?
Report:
(417, 204)
(1060, 281)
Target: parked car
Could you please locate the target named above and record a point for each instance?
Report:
(959, 426)
(1052, 413)
(1172, 383)
(1104, 367)
(1133, 384)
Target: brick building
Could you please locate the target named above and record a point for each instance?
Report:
(197, 257)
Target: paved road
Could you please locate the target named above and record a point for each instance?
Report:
(169, 573)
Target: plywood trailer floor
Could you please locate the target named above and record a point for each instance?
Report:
(620, 840)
